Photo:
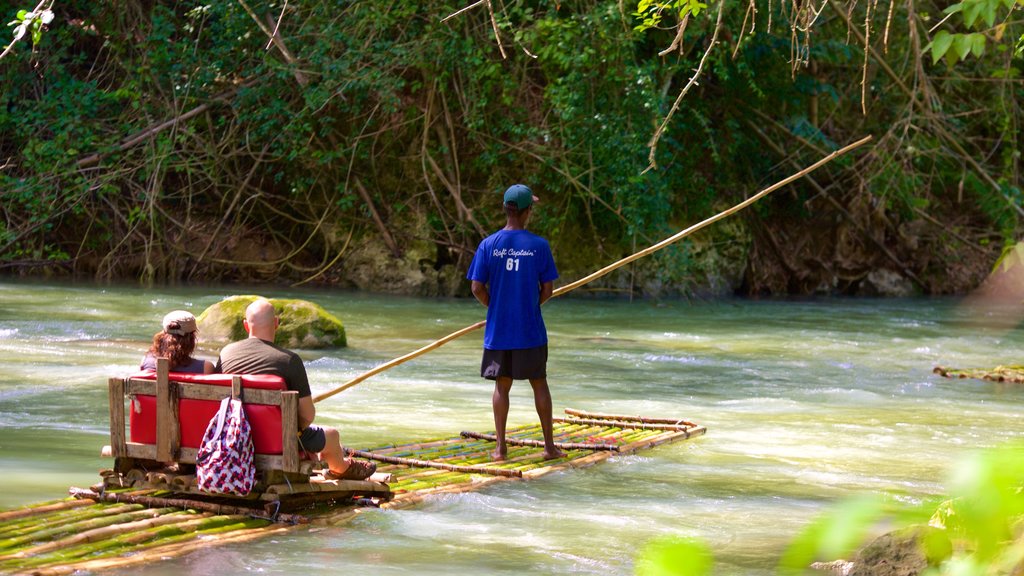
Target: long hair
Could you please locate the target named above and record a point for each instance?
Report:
(177, 349)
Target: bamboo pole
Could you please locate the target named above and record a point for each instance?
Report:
(441, 465)
(624, 424)
(400, 360)
(603, 271)
(656, 439)
(105, 532)
(32, 511)
(184, 503)
(13, 544)
(466, 452)
(523, 459)
(134, 541)
(600, 416)
(340, 487)
(161, 551)
(116, 544)
(51, 521)
(562, 445)
(138, 542)
(14, 527)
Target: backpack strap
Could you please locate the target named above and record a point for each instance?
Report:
(221, 415)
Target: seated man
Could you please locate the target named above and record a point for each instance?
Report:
(257, 354)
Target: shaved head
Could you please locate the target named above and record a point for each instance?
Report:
(261, 319)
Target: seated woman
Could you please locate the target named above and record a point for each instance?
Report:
(176, 342)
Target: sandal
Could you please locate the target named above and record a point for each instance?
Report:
(357, 470)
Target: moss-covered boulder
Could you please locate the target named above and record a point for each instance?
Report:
(303, 324)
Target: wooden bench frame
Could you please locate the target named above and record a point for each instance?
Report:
(168, 428)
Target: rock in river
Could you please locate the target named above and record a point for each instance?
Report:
(303, 323)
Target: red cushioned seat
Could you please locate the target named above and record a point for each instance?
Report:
(195, 415)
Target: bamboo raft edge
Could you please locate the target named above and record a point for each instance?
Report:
(623, 424)
(194, 523)
(627, 418)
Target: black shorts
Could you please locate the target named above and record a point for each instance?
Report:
(522, 364)
(312, 439)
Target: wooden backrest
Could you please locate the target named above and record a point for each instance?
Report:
(169, 413)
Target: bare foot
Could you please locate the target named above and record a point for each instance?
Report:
(498, 455)
(553, 454)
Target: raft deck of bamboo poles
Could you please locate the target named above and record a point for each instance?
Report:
(107, 527)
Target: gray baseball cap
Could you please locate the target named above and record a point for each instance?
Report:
(179, 323)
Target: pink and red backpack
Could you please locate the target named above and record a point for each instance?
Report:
(224, 463)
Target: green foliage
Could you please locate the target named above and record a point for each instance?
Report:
(1000, 208)
(982, 518)
(651, 12)
(987, 502)
(31, 23)
(674, 556)
(1011, 256)
(433, 121)
(956, 47)
(978, 14)
(834, 535)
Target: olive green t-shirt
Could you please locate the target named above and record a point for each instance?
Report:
(256, 356)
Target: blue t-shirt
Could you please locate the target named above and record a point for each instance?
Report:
(513, 264)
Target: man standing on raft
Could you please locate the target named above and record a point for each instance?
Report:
(512, 274)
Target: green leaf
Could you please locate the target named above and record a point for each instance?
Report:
(940, 45)
(992, 499)
(971, 13)
(21, 15)
(834, 535)
(1010, 258)
(989, 12)
(951, 58)
(977, 44)
(962, 45)
(693, 7)
(674, 556)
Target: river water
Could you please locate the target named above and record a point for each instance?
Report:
(805, 403)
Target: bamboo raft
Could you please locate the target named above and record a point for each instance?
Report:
(159, 515)
(998, 374)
